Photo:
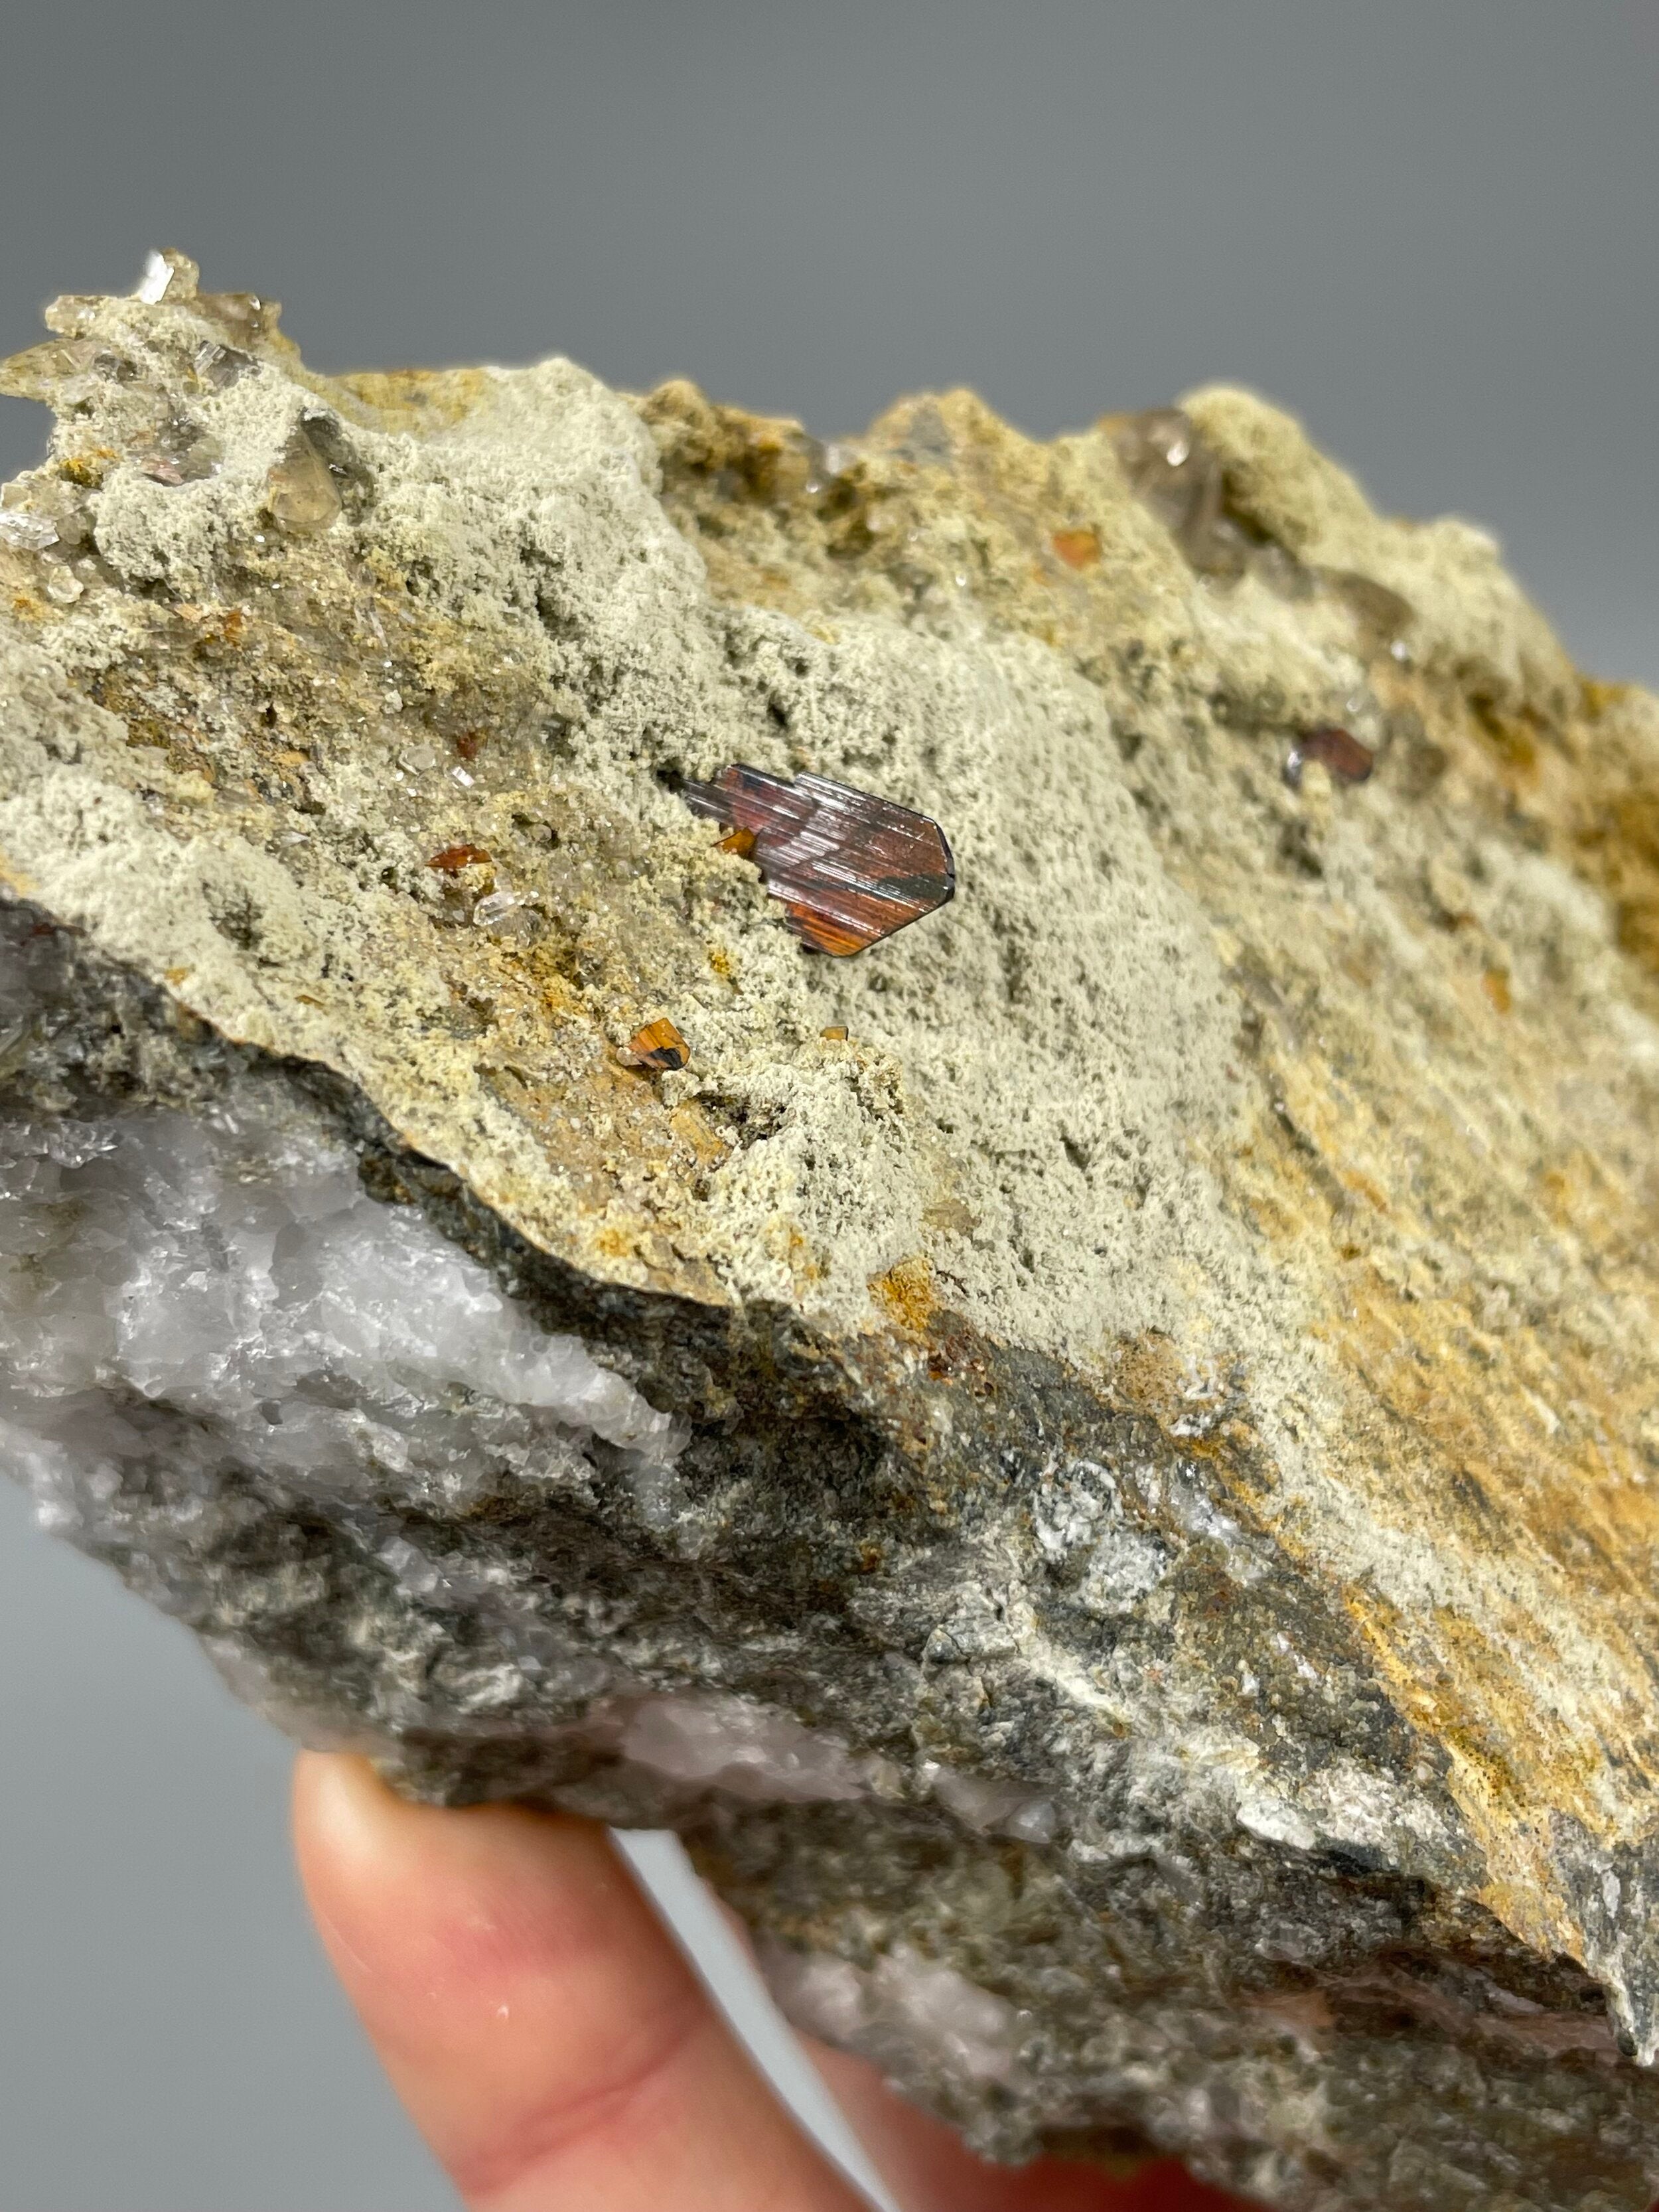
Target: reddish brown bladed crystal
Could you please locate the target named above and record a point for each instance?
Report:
(1348, 760)
(848, 867)
(454, 858)
(1342, 753)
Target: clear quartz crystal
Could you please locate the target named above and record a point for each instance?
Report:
(153, 284)
(300, 492)
(47, 498)
(221, 366)
(181, 451)
(39, 371)
(26, 532)
(510, 915)
(167, 275)
(1170, 467)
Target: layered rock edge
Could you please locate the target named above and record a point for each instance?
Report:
(1111, 1502)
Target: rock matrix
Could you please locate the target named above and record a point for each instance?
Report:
(1097, 1457)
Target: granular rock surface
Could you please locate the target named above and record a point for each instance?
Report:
(1098, 1459)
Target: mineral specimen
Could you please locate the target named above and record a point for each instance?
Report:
(1100, 1461)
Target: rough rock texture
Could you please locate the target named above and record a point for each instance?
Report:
(1113, 1502)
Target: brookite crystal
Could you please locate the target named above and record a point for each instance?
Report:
(850, 868)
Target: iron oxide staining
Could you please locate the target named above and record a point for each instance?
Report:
(1348, 760)
(658, 1047)
(848, 868)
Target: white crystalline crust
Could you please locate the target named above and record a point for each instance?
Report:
(230, 1267)
(240, 1270)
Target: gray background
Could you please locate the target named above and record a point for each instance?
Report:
(1431, 227)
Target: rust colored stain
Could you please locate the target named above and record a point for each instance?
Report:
(905, 1293)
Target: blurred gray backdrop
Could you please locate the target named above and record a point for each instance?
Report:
(1429, 227)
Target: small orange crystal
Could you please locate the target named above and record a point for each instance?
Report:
(1077, 549)
(454, 858)
(659, 1045)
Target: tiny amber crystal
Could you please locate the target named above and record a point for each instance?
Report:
(1077, 549)
(659, 1045)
